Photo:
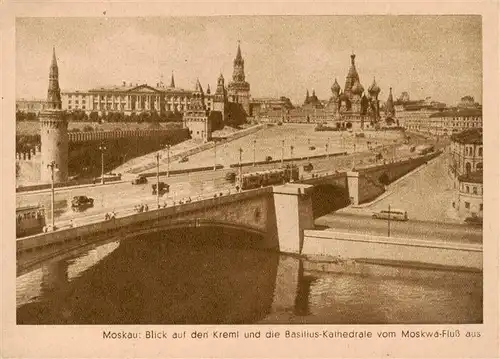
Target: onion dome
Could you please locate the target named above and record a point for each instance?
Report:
(357, 89)
(374, 89)
(335, 87)
(343, 96)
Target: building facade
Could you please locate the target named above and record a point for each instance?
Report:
(54, 132)
(34, 105)
(466, 170)
(128, 98)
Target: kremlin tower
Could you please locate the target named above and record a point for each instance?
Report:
(220, 97)
(54, 131)
(196, 116)
(239, 89)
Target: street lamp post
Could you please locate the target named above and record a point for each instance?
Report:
(389, 222)
(291, 154)
(239, 171)
(158, 179)
(102, 148)
(52, 165)
(168, 160)
(308, 149)
(254, 142)
(327, 145)
(282, 152)
(215, 155)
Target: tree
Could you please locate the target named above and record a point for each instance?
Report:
(94, 116)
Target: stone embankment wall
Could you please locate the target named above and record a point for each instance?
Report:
(372, 179)
(393, 250)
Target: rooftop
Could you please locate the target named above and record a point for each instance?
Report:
(459, 113)
(470, 136)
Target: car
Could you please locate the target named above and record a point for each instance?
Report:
(478, 221)
(269, 158)
(82, 201)
(184, 159)
(394, 214)
(230, 176)
(164, 187)
(141, 179)
(309, 167)
(312, 148)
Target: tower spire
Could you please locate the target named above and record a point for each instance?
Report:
(172, 82)
(54, 92)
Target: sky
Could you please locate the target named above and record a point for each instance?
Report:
(427, 56)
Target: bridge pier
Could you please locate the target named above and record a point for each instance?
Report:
(353, 187)
(293, 209)
(287, 284)
(55, 276)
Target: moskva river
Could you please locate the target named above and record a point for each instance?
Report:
(216, 276)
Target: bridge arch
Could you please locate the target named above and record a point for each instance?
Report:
(327, 198)
(194, 223)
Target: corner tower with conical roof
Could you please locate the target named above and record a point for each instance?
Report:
(238, 88)
(54, 131)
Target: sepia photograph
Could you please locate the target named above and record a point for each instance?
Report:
(249, 170)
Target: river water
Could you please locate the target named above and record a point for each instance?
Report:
(217, 276)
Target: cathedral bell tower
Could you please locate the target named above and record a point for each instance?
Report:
(239, 89)
(54, 131)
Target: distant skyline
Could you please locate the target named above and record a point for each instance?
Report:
(427, 56)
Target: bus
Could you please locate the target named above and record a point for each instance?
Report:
(394, 214)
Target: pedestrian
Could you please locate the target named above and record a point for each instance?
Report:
(146, 208)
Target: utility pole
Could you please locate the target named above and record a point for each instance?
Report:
(389, 222)
(102, 148)
(52, 165)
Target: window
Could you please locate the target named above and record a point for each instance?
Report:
(474, 190)
(467, 189)
(480, 206)
(480, 151)
(467, 205)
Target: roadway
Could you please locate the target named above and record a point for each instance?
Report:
(363, 224)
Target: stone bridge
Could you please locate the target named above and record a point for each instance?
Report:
(279, 215)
